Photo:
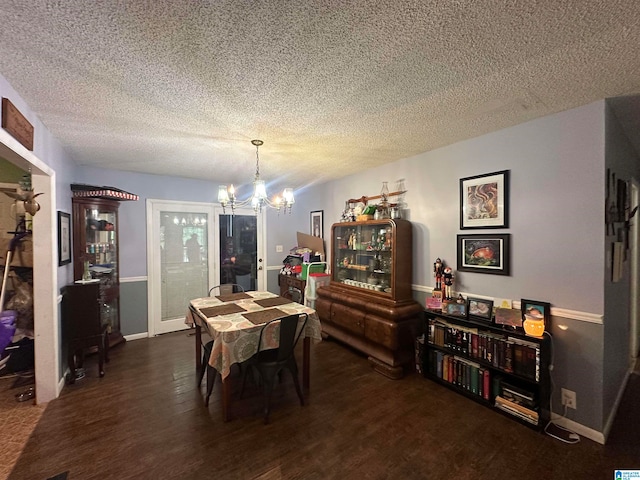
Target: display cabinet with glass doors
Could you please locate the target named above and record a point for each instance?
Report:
(368, 303)
(95, 256)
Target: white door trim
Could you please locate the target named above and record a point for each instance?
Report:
(154, 296)
(45, 268)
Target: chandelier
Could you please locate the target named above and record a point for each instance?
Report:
(259, 199)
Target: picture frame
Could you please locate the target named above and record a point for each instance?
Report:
(64, 238)
(455, 309)
(434, 303)
(484, 253)
(509, 317)
(484, 201)
(536, 310)
(317, 223)
(480, 309)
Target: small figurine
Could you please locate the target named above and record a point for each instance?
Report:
(448, 281)
(460, 299)
(437, 272)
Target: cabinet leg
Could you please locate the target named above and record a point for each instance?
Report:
(106, 346)
(101, 357)
(395, 373)
(71, 360)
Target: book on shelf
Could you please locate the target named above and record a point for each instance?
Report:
(419, 353)
(518, 410)
(485, 384)
(518, 395)
(526, 359)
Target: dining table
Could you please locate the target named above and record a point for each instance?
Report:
(234, 322)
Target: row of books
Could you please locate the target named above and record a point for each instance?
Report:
(419, 353)
(508, 353)
(461, 372)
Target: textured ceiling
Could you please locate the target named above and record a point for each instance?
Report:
(181, 87)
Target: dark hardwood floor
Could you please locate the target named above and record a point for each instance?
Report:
(146, 420)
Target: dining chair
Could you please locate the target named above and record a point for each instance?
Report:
(294, 294)
(270, 363)
(226, 288)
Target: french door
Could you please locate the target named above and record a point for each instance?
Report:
(192, 247)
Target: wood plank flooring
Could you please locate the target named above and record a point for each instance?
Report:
(146, 420)
(17, 420)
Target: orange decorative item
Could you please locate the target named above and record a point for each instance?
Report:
(534, 328)
(536, 317)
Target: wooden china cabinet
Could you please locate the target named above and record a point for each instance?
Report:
(368, 303)
(96, 251)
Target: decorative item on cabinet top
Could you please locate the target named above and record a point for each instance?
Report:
(81, 190)
(358, 209)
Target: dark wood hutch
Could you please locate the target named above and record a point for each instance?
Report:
(368, 303)
(96, 248)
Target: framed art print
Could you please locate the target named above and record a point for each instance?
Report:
(484, 253)
(510, 317)
(64, 238)
(484, 201)
(317, 223)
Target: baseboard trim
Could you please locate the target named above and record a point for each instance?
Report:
(614, 410)
(591, 434)
(136, 336)
(62, 383)
(133, 279)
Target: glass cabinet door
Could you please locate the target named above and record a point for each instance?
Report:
(363, 255)
(95, 246)
(101, 247)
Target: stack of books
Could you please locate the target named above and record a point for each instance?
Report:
(518, 402)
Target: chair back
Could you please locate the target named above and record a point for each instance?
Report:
(225, 289)
(295, 294)
(289, 334)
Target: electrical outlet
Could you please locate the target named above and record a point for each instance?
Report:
(279, 249)
(568, 398)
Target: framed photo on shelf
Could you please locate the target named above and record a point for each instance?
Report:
(434, 303)
(480, 309)
(64, 238)
(317, 223)
(455, 309)
(484, 253)
(510, 317)
(536, 316)
(484, 201)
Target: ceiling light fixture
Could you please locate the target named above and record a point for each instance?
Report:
(259, 199)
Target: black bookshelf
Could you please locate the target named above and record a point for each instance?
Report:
(501, 368)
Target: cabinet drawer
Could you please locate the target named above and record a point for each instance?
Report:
(348, 318)
(323, 309)
(381, 331)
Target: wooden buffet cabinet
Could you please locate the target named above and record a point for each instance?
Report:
(368, 303)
